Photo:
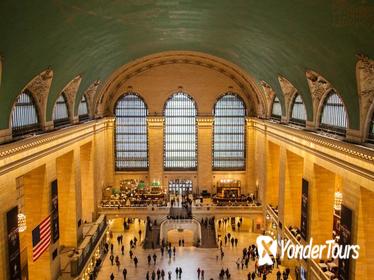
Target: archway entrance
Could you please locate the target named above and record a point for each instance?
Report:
(175, 236)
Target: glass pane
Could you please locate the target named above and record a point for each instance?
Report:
(180, 132)
(277, 109)
(229, 133)
(83, 108)
(334, 116)
(24, 115)
(131, 133)
(60, 111)
(298, 115)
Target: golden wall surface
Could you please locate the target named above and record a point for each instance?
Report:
(278, 157)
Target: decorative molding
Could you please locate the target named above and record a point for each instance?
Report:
(90, 94)
(120, 76)
(318, 85)
(289, 91)
(269, 96)
(365, 90)
(71, 89)
(155, 121)
(339, 146)
(39, 88)
(11, 149)
(365, 75)
(205, 121)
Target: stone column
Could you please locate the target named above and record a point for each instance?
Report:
(272, 173)
(292, 189)
(68, 174)
(87, 185)
(156, 148)
(204, 154)
(250, 158)
(363, 267)
(321, 204)
(37, 198)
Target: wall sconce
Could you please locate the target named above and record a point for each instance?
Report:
(338, 200)
(21, 222)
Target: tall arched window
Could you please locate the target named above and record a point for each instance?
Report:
(276, 111)
(298, 115)
(334, 115)
(131, 133)
(83, 109)
(180, 133)
(24, 115)
(60, 111)
(229, 133)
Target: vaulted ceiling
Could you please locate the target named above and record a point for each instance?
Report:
(266, 38)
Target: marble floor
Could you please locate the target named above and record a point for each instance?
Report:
(188, 258)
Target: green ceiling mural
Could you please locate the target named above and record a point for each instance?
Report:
(266, 38)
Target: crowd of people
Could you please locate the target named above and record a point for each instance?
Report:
(152, 262)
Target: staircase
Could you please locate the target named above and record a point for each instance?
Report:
(208, 236)
(180, 213)
(152, 236)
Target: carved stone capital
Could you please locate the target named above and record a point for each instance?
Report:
(269, 96)
(71, 90)
(365, 68)
(318, 85)
(155, 121)
(90, 95)
(40, 87)
(204, 121)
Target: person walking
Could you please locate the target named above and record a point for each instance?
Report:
(149, 258)
(124, 273)
(153, 275)
(180, 272)
(131, 254)
(136, 261)
(169, 275)
(147, 276)
(111, 259)
(111, 276)
(162, 274)
(123, 250)
(198, 273)
(118, 264)
(154, 259)
(177, 272)
(202, 274)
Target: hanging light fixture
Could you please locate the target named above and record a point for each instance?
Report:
(21, 222)
(338, 200)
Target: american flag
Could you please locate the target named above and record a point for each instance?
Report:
(41, 238)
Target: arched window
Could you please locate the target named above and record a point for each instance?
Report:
(24, 115)
(371, 130)
(276, 111)
(180, 133)
(229, 133)
(83, 109)
(298, 115)
(131, 133)
(60, 111)
(334, 117)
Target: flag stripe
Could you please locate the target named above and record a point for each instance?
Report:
(43, 237)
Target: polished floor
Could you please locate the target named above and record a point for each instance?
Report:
(188, 258)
